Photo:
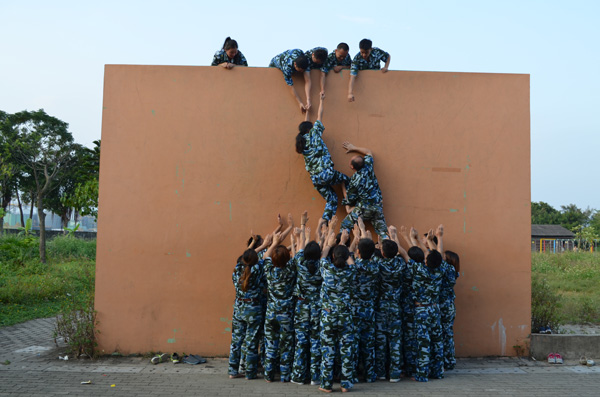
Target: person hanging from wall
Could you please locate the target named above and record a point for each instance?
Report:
(318, 163)
(290, 62)
(369, 58)
(229, 56)
(363, 197)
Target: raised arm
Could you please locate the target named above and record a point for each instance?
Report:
(351, 148)
(297, 97)
(440, 234)
(430, 243)
(295, 238)
(275, 243)
(320, 112)
(355, 239)
(414, 238)
(329, 242)
(287, 231)
(393, 233)
(303, 220)
(266, 242)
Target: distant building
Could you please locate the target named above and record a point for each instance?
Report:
(551, 238)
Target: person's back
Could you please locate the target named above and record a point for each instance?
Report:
(316, 154)
(426, 285)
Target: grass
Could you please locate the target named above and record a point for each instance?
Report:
(30, 289)
(575, 276)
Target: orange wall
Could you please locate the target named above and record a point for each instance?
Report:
(195, 157)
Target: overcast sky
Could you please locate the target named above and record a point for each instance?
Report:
(53, 56)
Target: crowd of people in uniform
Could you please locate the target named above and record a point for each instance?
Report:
(341, 305)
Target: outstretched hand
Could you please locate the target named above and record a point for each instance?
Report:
(348, 146)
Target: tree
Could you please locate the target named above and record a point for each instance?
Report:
(544, 214)
(84, 199)
(595, 222)
(44, 147)
(9, 168)
(572, 216)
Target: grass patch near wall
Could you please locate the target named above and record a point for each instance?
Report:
(575, 277)
(30, 289)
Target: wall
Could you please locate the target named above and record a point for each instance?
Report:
(193, 158)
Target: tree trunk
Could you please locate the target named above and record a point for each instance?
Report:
(42, 220)
(31, 208)
(20, 209)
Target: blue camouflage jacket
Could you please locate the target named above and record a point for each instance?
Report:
(373, 62)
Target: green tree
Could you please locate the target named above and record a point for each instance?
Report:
(44, 147)
(9, 167)
(572, 216)
(595, 222)
(84, 198)
(544, 214)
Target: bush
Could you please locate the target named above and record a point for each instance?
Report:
(76, 323)
(69, 248)
(545, 305)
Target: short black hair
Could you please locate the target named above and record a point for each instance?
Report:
(300, 143)
(416, 254)
(389, 248)
(343, 46)
(365, 44)
(320, 54)
(312, 251)
(366, 247)
(434, 259)
(301, 62)
(358, 163)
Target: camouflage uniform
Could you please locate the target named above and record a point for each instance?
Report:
(319, 165)
(448, 313)
(285, 63)
(426, 284)
(221, 57)
(373, 63)
(409, 340)
(312, 65)
(366, 289)
(279, 327)
(364, 194)
(306, 320)
(332, 61)
(388, 317)
(246, 320)
(336, 322)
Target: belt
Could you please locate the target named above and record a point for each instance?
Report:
(246, 300)
(425, 304)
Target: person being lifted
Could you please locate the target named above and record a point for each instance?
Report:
(363, 196)
(318, 163)
(369, 58)
(290, 62)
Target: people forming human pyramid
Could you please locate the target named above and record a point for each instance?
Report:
(340, 302)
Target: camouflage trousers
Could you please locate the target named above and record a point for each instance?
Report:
(409, 339)
(245, 325)
(323, 182)
(447, 315)
(430, 348)
(306, 323)
(364, 340)
(279, 343)
(372, 213)
(337, 329)
(388, 322)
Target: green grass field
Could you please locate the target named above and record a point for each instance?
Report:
(30, 289)
(575, 277)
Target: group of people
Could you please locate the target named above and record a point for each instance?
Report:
(295, 61)
(341, 303)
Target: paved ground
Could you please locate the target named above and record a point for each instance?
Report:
(29, 365)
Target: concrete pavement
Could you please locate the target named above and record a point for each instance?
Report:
(29, 365)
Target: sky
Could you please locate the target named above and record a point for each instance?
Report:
(53, 55)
